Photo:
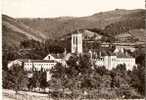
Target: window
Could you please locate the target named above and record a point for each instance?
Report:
(49, 57)
(74, 40)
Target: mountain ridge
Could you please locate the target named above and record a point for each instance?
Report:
(52, 28)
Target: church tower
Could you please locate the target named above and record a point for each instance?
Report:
(76, 42)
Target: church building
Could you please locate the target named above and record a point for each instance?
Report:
(106, 58)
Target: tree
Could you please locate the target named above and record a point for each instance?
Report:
(101, 70)
(58, 71)
(76, 76)
(58, 79)
(138, 79)
(18, 77)
(43, 79)
(124, 82)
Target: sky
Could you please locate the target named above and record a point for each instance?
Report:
(58, 8)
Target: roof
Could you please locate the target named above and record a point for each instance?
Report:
(124, 35)
(102, 53)
(106, 53)
(123, 55)
(22, 60)
(58, 56)
(46, 61)
(30, 60)
(55, 56)
(69, 55)
(118, 55)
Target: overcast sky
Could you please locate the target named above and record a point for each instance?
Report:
(56, 8)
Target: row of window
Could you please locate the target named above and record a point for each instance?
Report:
(39, 64)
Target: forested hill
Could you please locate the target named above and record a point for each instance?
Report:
(113, 22)
(13, 32)
(129, 19)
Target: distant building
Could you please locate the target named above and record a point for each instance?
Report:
(105, 58)
(127, 46)
(60, 58)
(76, 43)
(30, 65)
(55, 57)
(14, 62)
(40, 64)
(131, 48)
(111, 60)
(46, 64)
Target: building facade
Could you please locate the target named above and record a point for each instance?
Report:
(30, 65)
(46, 64)
(112, 61)
(39, 64)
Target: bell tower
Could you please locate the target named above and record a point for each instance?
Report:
(76, 42)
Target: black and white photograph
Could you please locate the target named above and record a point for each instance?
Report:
(73, 49)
